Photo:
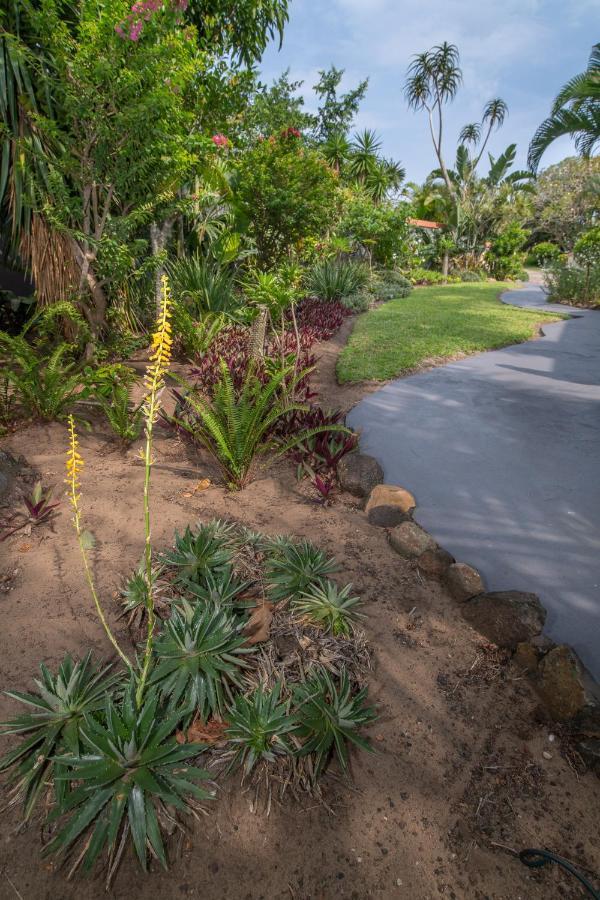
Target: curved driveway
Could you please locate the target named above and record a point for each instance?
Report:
(502, 451)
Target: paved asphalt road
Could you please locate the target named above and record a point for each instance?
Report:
(502, 452)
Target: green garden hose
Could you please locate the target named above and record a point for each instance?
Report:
(535, 859)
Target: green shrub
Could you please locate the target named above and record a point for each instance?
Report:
(429, 277)
(470, 275)
(203, 287)
(543, 253)
(504, 258)
(358, 303)
(123, 415)
(573, 284)
(333, 280)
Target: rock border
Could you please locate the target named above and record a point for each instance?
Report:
(511, 619)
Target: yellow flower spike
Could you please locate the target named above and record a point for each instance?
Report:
(74, 467)
(158, 367)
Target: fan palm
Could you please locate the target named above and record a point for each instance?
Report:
(575, 112)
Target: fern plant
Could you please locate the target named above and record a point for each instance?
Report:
(236, 427)
(329, 717)
(124, 417)
(197, 554)
(258, 727)
(199, 655)
(52, 725)
(295, 568)
(129, 770)
(44, 386)
(329, 606)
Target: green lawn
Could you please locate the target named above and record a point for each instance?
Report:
(431, 325)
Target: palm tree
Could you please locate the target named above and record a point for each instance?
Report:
(575, 112)
(364, 156)
(336, 150)
(433, 80)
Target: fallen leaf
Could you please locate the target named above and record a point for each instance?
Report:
(203, 485)
(258, 626)
(186, 494)
(24, 548)
(211, 732)
(199, 732)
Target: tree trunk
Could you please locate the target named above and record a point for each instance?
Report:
(258, 333)
(159, 237)
(445, 263)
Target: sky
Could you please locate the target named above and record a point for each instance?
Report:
(519, 50)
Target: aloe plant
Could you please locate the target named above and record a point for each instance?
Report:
(329, 717)
(197, 554)
(199, 655)
(294, 568)
(129, 769)
(329, 606)
(259, 726)
(53, 724)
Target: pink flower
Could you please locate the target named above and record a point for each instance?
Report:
(219, 140)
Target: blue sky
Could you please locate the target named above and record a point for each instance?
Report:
(520, 50)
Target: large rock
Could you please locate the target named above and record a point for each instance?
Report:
(568, 691)
(463, 581)
(589, 749)
(359, 474)
(388, 505)
(435, 563)
(506, 618)
(410, 540)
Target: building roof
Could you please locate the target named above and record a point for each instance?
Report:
(424, 223)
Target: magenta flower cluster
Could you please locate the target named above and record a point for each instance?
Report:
(220, 140)
(142, 11)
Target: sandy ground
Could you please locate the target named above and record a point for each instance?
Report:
(458, 777)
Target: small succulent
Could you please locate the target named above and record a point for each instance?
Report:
(258, 727)
(53, 723)
(196, 554)
(329, 717)
(219, 589)
(199, 654)
(135, 592)
(293, 571)
(331, 607)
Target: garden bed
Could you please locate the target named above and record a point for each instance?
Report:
(461, 772)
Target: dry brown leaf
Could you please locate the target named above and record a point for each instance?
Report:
(203, 485)
(24, 548)
(258, 626)
(199, 732)
(211, 732)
